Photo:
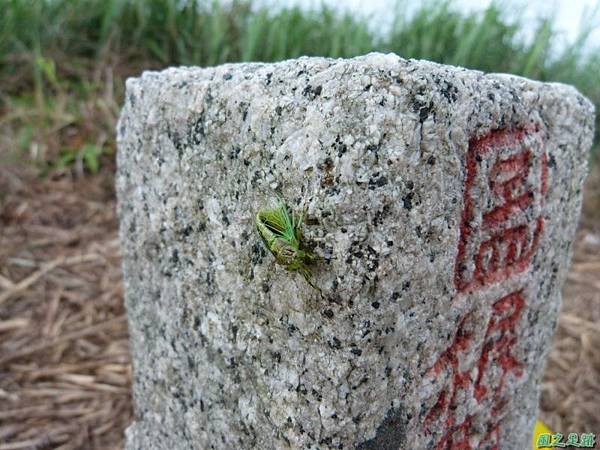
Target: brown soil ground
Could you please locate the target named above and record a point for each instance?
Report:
(65, 372)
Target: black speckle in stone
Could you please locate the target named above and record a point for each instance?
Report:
(424, 112)
(225, 218)
(197, 131)
(332, 190)
(244, 110)
(373, 258)
(258, 253)
(390, 432)
(389, 243)
(395, 296)
(379, 216)
(373, 148)
(431, 160)
(344, 230)
(269, 76)
(316, 394)
(335, 343)
(175, 257)
(292, 328)
(418, 230)
(255, 178)
(278, 110)
(265, 287)
(375, 305)
(276, 356)
(356, 351)
(325, 441)
(376, 182)
(196, 324)
(478, 158)
(407, 201)
(551, 161)
(328, 313)
(235, 151)
(406, 285)
(131, 98)
(311, 92)
(301, 388)
(450, 92)
(419, 106)
(339, 146)
(177, 143)
(367, 87)
(227, 76)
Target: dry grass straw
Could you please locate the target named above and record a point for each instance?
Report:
(64, 364)
(65, 373)
(571, 385)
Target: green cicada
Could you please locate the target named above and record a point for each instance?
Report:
(280, 229)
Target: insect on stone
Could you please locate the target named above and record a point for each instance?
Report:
(280, 229)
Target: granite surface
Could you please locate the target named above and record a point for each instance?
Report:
(443, 202)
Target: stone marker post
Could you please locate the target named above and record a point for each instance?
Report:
(443, 201)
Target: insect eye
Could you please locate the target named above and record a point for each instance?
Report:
(286, 250)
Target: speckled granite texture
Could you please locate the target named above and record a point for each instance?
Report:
(444, 202)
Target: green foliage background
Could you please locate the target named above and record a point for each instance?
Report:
(63, 62)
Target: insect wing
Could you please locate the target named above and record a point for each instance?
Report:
(278, 221)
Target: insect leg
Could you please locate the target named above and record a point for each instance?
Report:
(308, 277)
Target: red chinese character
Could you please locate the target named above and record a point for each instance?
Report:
(442, 414)
(499, 340)
(505, 183)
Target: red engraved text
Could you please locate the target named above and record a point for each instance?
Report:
(483, 380)
(501, 227)
(501, 222)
